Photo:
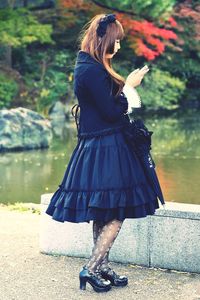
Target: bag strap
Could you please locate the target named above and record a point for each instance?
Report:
(76, 116)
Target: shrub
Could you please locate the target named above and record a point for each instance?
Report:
(160, 90)
(50, 78)
(52, 89)
(8, 90)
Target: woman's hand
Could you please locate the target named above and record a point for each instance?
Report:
(135, 77)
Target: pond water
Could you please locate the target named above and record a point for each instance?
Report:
(24, 176)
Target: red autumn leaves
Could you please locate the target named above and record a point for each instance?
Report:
(147, 39)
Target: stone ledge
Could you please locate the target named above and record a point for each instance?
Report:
(169, 239)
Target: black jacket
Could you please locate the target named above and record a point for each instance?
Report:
(100, 111)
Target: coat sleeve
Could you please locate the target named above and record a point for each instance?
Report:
(98, 84)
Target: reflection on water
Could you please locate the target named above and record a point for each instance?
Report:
(24, 176)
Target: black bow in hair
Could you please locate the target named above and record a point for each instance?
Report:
(109, 18)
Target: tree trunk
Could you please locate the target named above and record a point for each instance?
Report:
(25, 3)
(8, 56)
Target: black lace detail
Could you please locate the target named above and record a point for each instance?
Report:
(101, 132)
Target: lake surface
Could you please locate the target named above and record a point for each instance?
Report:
(24, 176)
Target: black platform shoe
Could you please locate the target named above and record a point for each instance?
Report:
(98, 283)
(115, 279)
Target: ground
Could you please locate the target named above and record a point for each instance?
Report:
(28, 274)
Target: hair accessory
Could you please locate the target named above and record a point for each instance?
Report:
(101, 29)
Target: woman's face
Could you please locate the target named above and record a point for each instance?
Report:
(116, 48)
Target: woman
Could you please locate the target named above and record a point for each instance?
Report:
(104, 181)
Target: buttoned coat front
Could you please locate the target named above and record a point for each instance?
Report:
(95, 91)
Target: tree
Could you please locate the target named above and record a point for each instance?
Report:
(186, 65)
(148, 24)
(18, 28)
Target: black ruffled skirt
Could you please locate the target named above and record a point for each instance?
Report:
(104, 180)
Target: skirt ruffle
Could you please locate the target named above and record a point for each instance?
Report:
(104, 180)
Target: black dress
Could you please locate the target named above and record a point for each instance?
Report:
(104, 179)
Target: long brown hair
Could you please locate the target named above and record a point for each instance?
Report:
(98, 46)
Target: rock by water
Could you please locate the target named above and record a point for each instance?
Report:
(23, 129)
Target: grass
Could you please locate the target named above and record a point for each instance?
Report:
(22, 207)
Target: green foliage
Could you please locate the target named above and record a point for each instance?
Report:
(51, 89)
(187, 69)
(153, 8)
(149, 8)
(19, 28)
(160, 90)
(47, 70)
(8, 90)
(50, 78)
(186, 63)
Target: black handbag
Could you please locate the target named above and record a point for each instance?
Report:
(138, 137)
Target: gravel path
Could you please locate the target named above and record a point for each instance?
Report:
(27, 274)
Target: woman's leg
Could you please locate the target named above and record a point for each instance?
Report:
(97, 228)
(103, 244)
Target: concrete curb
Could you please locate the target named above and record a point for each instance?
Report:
(169, 239)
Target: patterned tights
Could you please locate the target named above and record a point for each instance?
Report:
(104, 235)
